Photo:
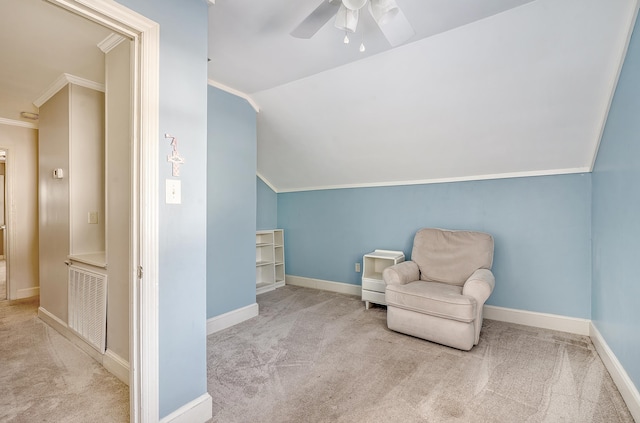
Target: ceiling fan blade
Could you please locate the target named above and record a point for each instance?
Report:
(398, 29)
(317, 19)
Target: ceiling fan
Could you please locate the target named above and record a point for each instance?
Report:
(386, 13)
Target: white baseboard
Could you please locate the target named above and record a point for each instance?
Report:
(27, 292)
(52, 320)
(528, 318)
(340, 287)
(538, 320)
(226, 320)
(65, 331)
(620, 377)
(116, 365)
(197, 411)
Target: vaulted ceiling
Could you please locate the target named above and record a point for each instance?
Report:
(485, 89)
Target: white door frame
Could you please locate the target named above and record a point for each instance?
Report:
(143, 321)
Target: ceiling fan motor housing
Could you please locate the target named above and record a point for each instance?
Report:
(354, 4)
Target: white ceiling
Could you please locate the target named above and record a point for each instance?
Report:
(476, 94)
(38, 43)
(501, 88)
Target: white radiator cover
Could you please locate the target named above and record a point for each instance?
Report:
(88, 306)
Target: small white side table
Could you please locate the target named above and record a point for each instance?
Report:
(372, 266)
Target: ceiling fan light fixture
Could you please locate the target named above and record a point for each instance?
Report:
(383, 10)
(29, 115)
(346, 19)
(354, 4)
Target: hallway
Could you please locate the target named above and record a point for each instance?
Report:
(44, 377)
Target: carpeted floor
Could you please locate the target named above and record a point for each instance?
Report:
(45, 378)
(3, 280)
(316, 356)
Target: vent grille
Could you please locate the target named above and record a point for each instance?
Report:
(88, 306)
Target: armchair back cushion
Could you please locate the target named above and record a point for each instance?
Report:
(451, 256)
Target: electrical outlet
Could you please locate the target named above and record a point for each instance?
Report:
(358, 267)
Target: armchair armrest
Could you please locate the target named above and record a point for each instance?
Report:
(479, 285)
(401, 273)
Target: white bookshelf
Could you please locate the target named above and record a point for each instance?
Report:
(269, 260)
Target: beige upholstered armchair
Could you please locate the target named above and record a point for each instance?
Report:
(440, 293)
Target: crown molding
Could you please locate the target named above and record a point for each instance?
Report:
(61, 82)
(269, 184)
(12, 122)
(111, 42)
(235, 92)
(527, 174)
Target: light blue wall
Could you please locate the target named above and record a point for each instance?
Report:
(616, 220)
(541, 227)
(231, 203)
(267, 207)
(182, 228)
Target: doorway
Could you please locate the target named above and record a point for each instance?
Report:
(143, 36)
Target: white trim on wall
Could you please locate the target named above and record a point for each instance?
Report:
(61, 82)
(538, 320)
(235, 92)
(231, 318)
(117, 366)
(13, 122)
(112, 41)
(339, 287)
(266, 181)
(63, 329)
(619, 375)
(27, 292)
(522, 317)
(198, 410)
(527, 174)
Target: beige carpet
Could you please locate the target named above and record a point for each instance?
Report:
(3, 280)
(45, 378)
(315, 356)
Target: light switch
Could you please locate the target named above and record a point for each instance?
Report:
(93, 218)
(173, 194)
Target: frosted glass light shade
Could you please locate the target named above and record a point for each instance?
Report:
(354, 4)
(383, 10)
(346, 19)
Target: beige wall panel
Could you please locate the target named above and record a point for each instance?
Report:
(118, 149)
(86, 177)
(54, 203)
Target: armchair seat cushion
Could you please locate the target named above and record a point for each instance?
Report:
(433, 298)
